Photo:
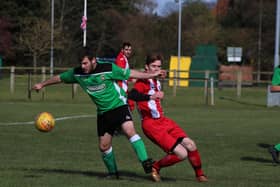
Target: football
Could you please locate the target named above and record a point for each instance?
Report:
(44, 122)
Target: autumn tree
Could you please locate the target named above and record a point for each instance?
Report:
(35, 38)
(249, 24)
(199, 26)
(5, 39)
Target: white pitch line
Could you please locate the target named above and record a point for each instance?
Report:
(56, 119)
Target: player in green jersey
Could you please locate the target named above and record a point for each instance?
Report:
(275, 84)
(98, 80)
(275, 87)
(274, 151)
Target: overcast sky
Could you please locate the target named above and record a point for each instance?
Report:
(161, 4)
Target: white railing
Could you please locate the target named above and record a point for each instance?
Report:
(209, 82)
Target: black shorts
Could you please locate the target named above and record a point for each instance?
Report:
(111, 120)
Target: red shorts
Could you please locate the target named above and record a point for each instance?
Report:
(163, 132)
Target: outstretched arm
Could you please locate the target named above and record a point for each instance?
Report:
(53, 80)
(142, 75)
(137, 96)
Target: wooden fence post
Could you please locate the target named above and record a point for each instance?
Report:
(212, 91)
(43, 70)
(206, 78)
(174, 83)
(74, 90)
(239, 83)
(29, 85)
(12, 80)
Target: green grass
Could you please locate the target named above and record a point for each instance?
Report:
(232, 137)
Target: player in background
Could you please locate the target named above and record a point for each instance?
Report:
(275, 83)
(275, 87)
(98, 80)
(274, 151)
(122, 61)
(162, 130)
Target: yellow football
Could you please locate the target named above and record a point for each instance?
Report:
(44, 122)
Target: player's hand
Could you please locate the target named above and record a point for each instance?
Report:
(37, 87)
(159, 74)
(162, 74)
(157, 95)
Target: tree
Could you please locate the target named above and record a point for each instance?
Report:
(5, 39)
(35, 37)
(199, 27)
(240, 25)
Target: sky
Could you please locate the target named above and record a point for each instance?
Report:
(161, 4)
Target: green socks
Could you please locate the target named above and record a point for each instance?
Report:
(140, 150)
(139, 147)
(110, 161)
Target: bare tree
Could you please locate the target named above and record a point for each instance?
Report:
(35, 38)
(5, 39)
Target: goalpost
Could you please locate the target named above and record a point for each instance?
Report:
(84, 24)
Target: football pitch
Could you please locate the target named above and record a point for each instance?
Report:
(232, 137)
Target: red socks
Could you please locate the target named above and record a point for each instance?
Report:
(168, 160)
(195, 161)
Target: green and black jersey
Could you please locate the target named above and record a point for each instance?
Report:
(100, 84)
(276, 77)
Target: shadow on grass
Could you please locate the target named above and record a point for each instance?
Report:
(255, 159)
(241, 102)
(264, 145)
(132, 176)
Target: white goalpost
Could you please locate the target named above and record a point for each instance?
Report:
(84, 24)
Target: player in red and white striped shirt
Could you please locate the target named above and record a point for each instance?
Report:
(122, 61)
(162, 130)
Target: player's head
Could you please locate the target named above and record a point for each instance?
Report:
(85, 52)
(87, 60)
(127, 49)
(153, 62)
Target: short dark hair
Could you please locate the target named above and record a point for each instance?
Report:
(153, 57)
(126, 44)
(85, 52)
